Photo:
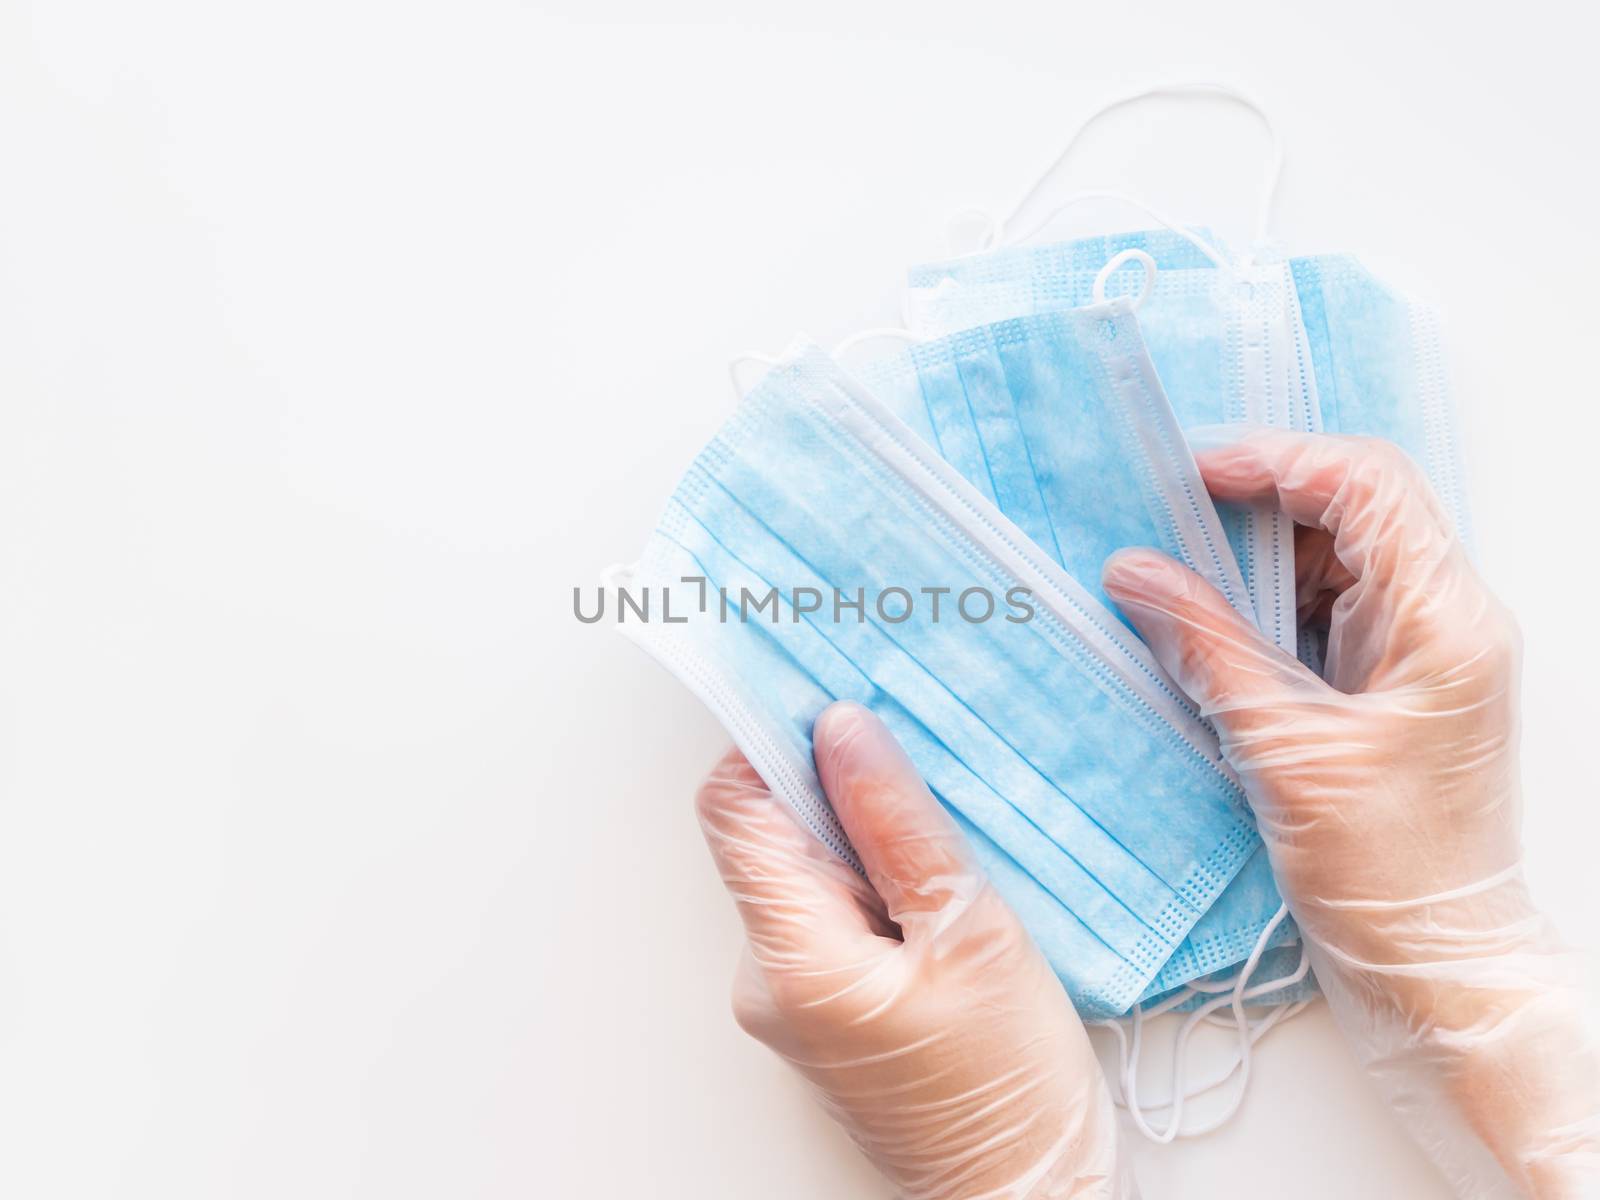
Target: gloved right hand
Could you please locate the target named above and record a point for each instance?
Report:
(1387, 795)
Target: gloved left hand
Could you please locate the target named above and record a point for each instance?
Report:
(915, 1004)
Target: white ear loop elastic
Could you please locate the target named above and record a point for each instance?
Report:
(616, 575)
(739, 360)
(1256, 1031)
(991, 237)
(1237, 990)
(1117, 259)
(1249, 1034)
(839, 351)
(867, 335)
(1002, 232)
(861, 337)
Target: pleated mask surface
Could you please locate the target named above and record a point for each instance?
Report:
(1059, 420)
(1225, 339)
(1093, 794)
(1194, 318)
(1380, 369)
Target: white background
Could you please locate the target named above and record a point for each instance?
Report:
(340, 340)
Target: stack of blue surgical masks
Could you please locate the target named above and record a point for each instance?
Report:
(925, 536)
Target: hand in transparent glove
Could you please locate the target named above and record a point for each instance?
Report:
(916, 1005)
(1389, 803)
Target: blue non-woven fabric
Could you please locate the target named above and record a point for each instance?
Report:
(1093, 794)
(1060, 421)
(1192, 322)
(1226, 345)
(1380, 369)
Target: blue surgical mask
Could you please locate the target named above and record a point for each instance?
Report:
(1380, 369)
(1282, 963)
(1195, 320)
(1225, 339)
(1093, 794)
(979, 289)
(1228, 931)
(1058, 419)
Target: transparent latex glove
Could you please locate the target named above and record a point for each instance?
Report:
(917, 1006)
(1389, 803)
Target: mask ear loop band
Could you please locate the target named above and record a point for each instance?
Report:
(1177, 1090)
(749, 356)
(992, 238)
(1226, 985)
(1238, 991)
(1002, 233)
(839, 351)
(1274, 171)
(1161, 218)
(1258, 1030)
(1250, 1032)
(867, 335)
(1117, 259)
